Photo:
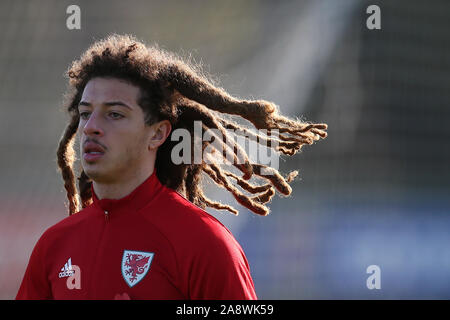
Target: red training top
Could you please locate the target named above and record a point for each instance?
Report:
(151, 244)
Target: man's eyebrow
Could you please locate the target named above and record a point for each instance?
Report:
(108, 104)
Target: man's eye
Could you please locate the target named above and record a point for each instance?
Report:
(115, 115)
(84, 115)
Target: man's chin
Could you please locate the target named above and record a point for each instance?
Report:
(96, 175)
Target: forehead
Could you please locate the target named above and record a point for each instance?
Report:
(99, 90)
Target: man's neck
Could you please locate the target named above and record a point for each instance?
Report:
(120, 189)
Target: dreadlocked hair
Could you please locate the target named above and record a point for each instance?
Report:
(176, 90)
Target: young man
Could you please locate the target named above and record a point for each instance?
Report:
(142, 232)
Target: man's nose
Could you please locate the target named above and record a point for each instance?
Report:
(93, 125)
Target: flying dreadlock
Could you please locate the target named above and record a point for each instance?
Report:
(172, 89)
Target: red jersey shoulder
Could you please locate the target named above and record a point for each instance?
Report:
(179, 208)
(179, 219)
(67, 224)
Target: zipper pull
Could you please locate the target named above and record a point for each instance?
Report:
(106, 215)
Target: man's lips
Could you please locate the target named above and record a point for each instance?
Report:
(93, 156)
(92, 151)
(91, 146)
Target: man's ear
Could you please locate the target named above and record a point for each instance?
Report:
(159, 133)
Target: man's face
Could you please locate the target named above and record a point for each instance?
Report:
(113, 135)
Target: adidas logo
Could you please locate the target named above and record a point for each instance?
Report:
(67, 270)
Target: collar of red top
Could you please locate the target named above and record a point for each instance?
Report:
(136, 200)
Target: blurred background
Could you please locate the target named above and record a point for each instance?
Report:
(375, 192)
